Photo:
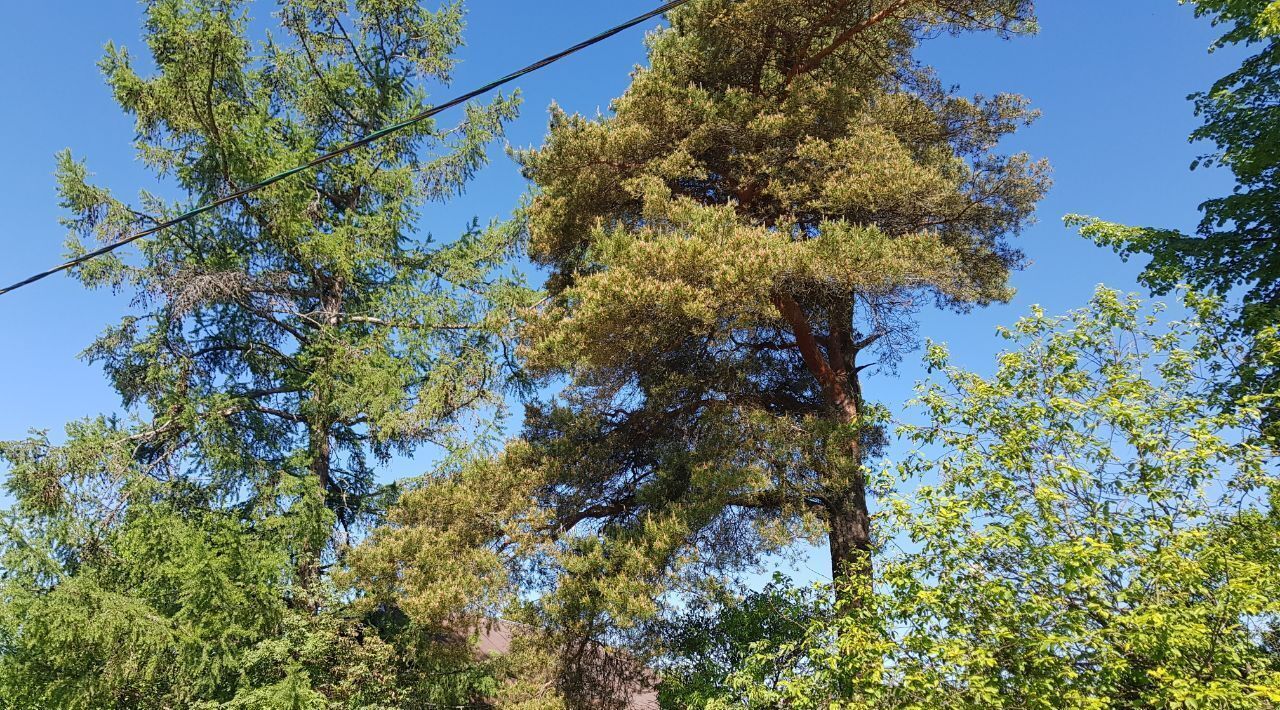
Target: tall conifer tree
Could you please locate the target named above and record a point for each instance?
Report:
(280, 348)
(766, 206)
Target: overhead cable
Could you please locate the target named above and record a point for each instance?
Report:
(326, 157)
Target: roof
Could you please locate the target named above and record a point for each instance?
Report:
(636, 685)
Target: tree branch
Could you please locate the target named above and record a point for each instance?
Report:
(842, 39)
(828, 378)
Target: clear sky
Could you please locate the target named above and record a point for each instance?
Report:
(1111, 77)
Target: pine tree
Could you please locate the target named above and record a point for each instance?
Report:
(279, 349)
(757, 220)
(767, 205)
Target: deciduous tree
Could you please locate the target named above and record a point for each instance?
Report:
(1234, 249)
(1080, 529)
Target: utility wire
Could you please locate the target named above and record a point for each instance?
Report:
(318, 160)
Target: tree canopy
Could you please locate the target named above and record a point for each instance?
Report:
(770, 200)
(279, 349)
(1082, 528)
(731, 252)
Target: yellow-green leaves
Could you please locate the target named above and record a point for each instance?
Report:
(1083, 528)
(1229, 253)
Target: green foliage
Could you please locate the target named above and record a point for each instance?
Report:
(1085, 531)
(765, 201)
(1233, 249)
(712, 649)
(777, 191)
(279, 349)
(161, 605)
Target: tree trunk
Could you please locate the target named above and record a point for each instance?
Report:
(321, 452)
(849, 535)
(320, 448)
(845, 490)
(320, 442)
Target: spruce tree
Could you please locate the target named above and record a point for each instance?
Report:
(280, 348)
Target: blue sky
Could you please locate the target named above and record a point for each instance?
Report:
(1110, 77)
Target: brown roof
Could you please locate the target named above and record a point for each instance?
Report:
(639, 689)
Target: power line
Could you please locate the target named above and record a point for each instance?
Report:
(318, 160)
